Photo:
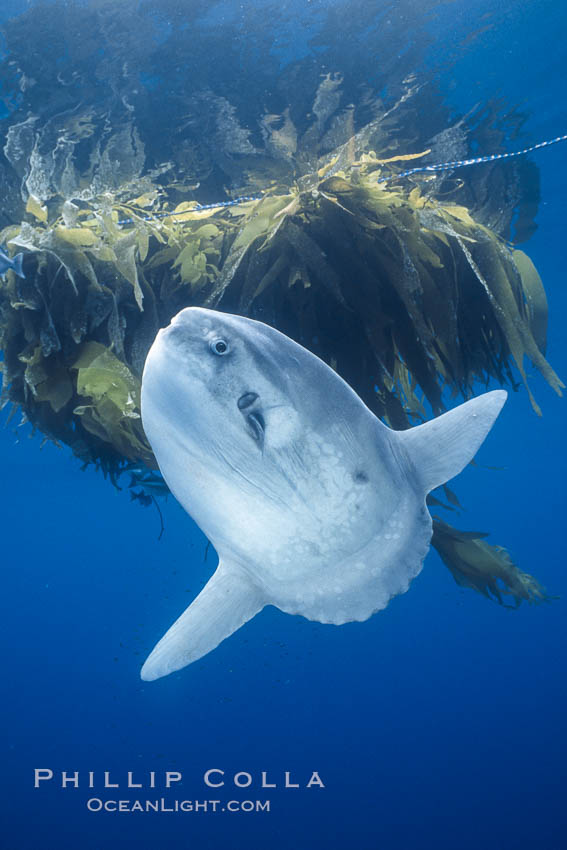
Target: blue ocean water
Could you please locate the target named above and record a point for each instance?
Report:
(439, 723)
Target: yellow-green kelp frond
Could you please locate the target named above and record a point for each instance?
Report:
(110, 402)
(488, 569)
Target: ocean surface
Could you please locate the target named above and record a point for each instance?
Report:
(439, 724)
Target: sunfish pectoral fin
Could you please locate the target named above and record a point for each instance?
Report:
(227, 601)
(441, 448)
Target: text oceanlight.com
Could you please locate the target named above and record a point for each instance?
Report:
(95, 804)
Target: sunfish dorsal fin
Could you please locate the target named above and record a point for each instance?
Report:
(228, 600)
(441, 448)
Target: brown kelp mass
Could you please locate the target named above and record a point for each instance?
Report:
(411, 290)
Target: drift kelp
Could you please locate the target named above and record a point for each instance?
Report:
(410, 290)
(427, 298)
(489, 570)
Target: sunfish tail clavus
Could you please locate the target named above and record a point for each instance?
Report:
(311, 502)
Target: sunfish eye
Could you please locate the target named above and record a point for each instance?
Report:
(219, 346)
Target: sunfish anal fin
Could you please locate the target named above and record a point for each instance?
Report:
(441, 448)
(228, 600)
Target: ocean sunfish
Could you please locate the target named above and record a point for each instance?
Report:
(311, 502)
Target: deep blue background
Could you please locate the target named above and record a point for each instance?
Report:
(439, 723)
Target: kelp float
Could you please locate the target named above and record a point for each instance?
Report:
(411, 290)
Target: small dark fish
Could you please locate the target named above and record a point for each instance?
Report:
(147, 480)
(143, 498)
(14, 263)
